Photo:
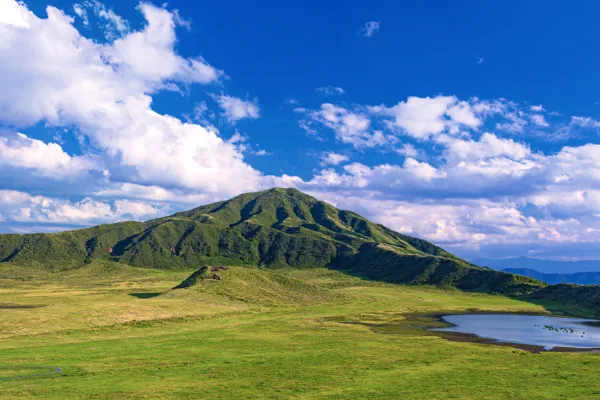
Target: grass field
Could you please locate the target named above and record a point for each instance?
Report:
(301, 334)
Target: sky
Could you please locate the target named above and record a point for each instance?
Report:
(470, 124)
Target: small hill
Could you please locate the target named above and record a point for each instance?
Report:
(271, 229)
(253, 285)
(580, 278)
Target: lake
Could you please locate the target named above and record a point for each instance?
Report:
(548, 332)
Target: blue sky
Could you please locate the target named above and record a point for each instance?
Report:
(470, 124)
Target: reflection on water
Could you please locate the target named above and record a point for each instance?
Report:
(548, 332)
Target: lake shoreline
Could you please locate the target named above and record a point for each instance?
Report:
(475, 338)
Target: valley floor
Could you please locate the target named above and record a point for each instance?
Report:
(114, 337)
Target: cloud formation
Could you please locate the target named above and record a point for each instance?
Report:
(370, 28)
(330, 90)
(235, 108)
(464, 173)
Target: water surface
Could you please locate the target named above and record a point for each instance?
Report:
(548, 332)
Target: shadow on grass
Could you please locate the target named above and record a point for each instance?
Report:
(147, 295)
(5, 306)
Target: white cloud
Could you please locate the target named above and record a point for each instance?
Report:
(24, 208)
(203, 115)
(235, 108)
(14, 14)
(370, 28)
(114, 25)
(149, 54)
(330, 90)
(307, 127)
(515, 122)
(585, 122)
(104, 91)
(539, 120)
(81, 12)
(488, 146)
(349, 127)
(155, 194)
(48, 160)
(408, 150)
(333, 158)
(538, 108)
(422, 118)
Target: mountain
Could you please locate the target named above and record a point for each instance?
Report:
(270, 229)
(585, 296)
(543, 266)
(581, 278)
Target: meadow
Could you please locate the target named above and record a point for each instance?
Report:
(121, 332)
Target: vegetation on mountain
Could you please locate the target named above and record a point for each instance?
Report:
(272, 229)
(584, 296)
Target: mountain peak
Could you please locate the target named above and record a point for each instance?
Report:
(271, 228)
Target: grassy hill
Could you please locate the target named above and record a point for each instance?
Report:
(253, 286)
(273, 228)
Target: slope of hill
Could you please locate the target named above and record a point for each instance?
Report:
(586, 296)
(543, 266)
(253, 285)
(580, 278)
(272, 228)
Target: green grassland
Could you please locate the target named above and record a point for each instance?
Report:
(122, 332)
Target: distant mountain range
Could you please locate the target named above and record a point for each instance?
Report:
(543, 266)
(580, 278)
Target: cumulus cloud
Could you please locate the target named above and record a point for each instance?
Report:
(235, 108)
(408, 150)
(333, 158)
(349, 126)
(105, 91)
(585, 122)
(24, 208)
(488, 146)
(537, 108)
(48, 160)
(422, 118)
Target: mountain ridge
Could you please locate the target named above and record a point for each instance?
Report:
(541, 265)
(272, 228)
(580, 278)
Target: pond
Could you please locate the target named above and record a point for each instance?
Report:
(544, 331)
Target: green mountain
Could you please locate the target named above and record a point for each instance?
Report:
(272, 228)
